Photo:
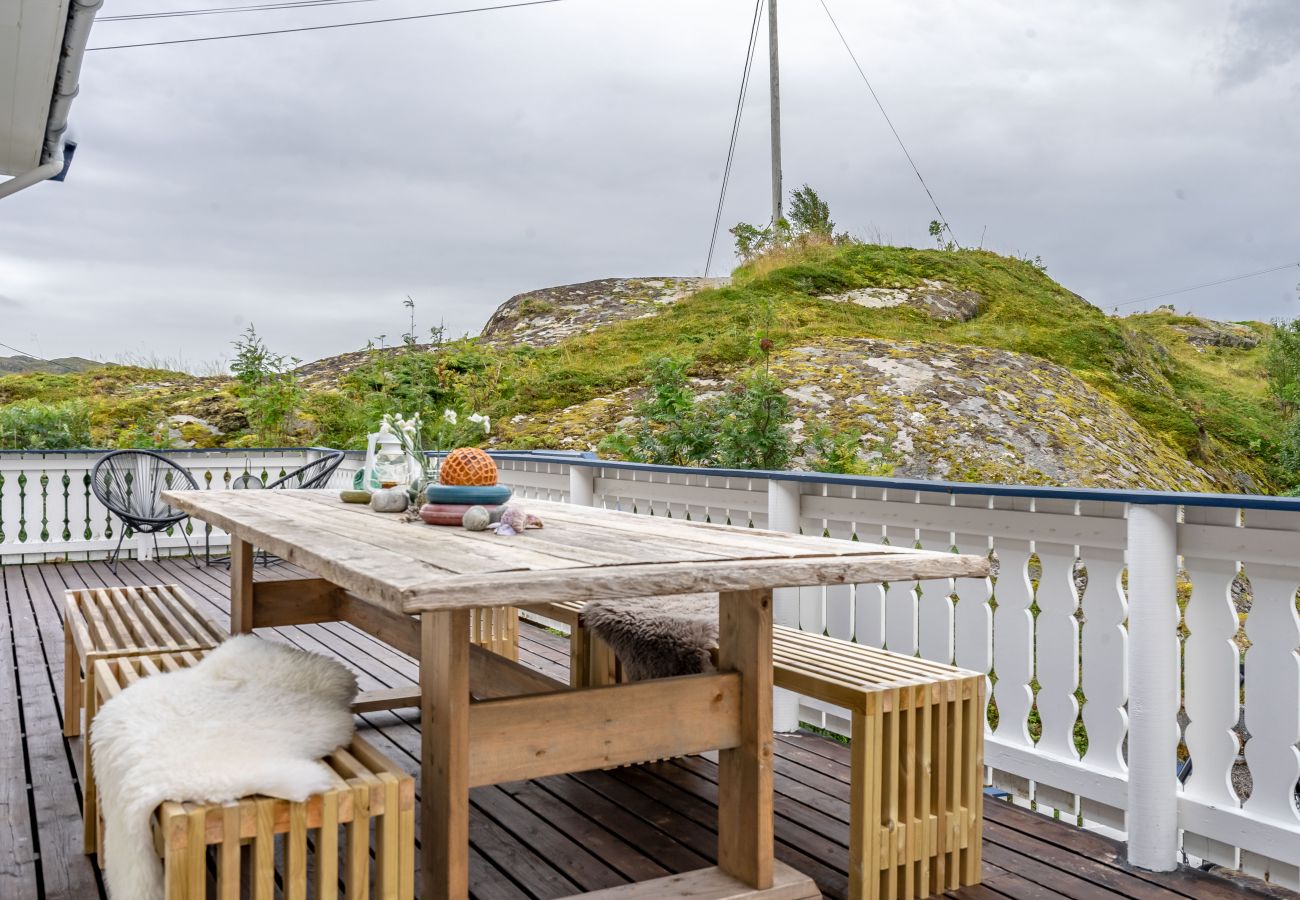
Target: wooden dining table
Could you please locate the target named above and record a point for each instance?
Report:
(486, 719)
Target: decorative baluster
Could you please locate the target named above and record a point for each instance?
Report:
(869, 599)
(22, 507)
(1057, 642)
(973, 644)
(1211, 686)
(812, 598)
(934, 606)
(1273, 692)
(44, 482)
(1013, 650)
(839, 597)
(900, 597)
(66, 483)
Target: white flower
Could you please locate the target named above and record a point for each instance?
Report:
(385, 427)
(408, 427)
(450, 416)
(482, 420)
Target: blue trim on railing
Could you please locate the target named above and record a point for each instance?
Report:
(590, 460)
(1161, 498)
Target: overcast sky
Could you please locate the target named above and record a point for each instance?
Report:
(309, 182)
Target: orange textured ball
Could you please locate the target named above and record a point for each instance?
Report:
(468, 466)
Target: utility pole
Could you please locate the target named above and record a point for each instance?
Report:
(774, 75)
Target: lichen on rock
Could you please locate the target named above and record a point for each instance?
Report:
(546, 317)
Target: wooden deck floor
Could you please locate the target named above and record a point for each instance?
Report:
(540, 839)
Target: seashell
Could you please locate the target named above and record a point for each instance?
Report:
(476, 518)
(515, 520)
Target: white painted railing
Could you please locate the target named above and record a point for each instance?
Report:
(1049, 637)
(1085, 673)
(48, 511)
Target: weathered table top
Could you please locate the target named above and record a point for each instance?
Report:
(582, 553)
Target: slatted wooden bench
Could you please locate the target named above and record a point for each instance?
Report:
(109, 622)
(917, 752)
(247, 837)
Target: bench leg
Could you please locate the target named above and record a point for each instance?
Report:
(865, 758)
(89, 792)
(72, 686)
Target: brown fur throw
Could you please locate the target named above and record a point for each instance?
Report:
(657, 637)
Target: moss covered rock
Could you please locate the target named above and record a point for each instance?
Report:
(943, 411)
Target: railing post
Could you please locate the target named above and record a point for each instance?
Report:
(783, 515)
(1153, 687)
(582, 485)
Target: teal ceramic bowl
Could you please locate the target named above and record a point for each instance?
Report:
(492, 495)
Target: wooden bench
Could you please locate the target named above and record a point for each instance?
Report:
(916, 755)
(248, 836)
(109, 622)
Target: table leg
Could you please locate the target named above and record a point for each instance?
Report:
(745, 839)
(241, 586)
(444, 757)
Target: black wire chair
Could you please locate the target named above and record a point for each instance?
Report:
(313, 476)
(128, 483)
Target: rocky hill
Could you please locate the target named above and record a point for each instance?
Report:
(958, 365)
(19, 365)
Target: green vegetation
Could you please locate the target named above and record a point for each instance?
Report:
(1211, 404)
(744, 427)
(268, 388)
(32, 425)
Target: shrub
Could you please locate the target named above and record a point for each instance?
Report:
(744, 428)
(31, 425)
(268, 387)
(751, 421)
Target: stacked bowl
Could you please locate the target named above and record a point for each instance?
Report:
(467, 477)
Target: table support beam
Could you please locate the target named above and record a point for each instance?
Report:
(745, 828)
(241, 586)
(444, 755)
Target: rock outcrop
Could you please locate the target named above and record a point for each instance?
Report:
(934, 298)
(546, 317)
(935, 411)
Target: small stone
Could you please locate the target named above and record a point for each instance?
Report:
(476, 518)
(389, 500)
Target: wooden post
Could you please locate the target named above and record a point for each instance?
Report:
(241, 586)
(444, 757)
(745, 839)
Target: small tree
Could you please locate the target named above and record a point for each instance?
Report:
(809, 220)
(1282, 364)
(268, 387)
(810, 214)
(751, 425)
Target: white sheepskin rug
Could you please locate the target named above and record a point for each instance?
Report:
(253, 717)
(657, 637)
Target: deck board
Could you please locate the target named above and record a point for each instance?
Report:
(537, 839)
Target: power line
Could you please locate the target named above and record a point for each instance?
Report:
(735, 129)
(39, 358)
(226, 37)
(890, 123)
(1197, 287)
(218, 10)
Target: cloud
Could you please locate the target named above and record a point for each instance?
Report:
(1262, 35)
(309, 182)
(10, 303)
